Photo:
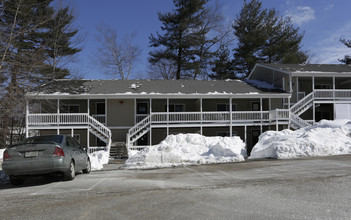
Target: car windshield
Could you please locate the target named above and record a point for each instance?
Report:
(44, 139)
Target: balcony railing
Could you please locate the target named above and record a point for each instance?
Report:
(101, 118)
(334, 94)
(218, 117)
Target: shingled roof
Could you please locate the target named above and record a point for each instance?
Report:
(146, 87)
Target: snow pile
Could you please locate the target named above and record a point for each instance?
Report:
(188, 149)
(98, 159)
(323, 139)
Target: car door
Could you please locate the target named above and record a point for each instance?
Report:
(83, 155)
(77, 153)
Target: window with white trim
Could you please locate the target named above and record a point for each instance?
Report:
(175, 107)
(70, 108)
(221, 107)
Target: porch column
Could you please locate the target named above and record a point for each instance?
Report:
(297, 89)
(58, 116)
(88, 138)
(261, 109)
(276, 119)
(313, 104)
(150, 110)
(167, 116)
(27, 113)
(245, 135)
(88, 107)
(135, 111)
(201, 115)
(106, 112)
(72, 132)
(231, 117)
(334, 90)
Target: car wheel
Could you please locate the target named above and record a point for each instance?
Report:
(88, 167)
(71, 172)
(16, 181)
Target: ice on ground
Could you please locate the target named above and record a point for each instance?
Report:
(322, 139)
(98, 159)
(188, 149)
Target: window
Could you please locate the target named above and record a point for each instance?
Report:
(323, 86)
(225, 107)
(301, 95)
(70, 109)
(255, 106)
(176, 108)
(142, 108)
(100, 108)
(76, 137)
(70, 142)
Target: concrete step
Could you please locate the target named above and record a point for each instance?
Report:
(118, 150)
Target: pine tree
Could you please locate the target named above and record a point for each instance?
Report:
(347, 58)
(181, 35)
(264, 36)
(25, 47)
(59, 45)
(223, 66)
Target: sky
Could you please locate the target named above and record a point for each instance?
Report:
(324, 22)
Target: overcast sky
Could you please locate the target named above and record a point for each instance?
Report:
(324, 23)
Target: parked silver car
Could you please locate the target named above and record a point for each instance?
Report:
(45, 154)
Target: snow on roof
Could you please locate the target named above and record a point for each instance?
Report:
(152, 87)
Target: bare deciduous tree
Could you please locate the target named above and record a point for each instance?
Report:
(163, 69)
(117, 56)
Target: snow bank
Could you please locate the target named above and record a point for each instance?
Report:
(98, 159)
(323, 139)
(188, 149)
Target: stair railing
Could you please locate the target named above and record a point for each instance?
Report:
(302, 103)
(137, 128)
(102, 129)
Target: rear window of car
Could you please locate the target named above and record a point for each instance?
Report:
(44, 139)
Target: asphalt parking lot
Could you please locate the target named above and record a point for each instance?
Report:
(317, 188)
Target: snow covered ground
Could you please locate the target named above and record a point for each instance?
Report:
(323, 139)
(188, 149)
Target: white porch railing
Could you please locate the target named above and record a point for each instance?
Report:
(198, 118)
(55, 118)
(72, 119)
(334, 94)
(101, 118)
